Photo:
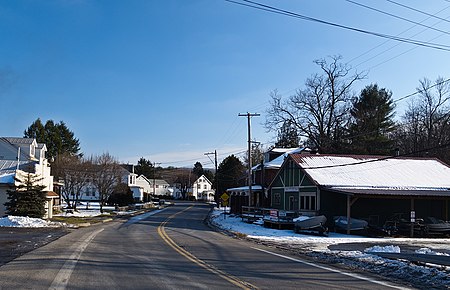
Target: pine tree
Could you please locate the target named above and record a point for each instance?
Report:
(145, 167)
(27, 198)
(372, 115)
(56, 136)
(198, 169)
(231, 173)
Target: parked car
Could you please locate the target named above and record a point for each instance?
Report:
(437, 226)
(400, 223)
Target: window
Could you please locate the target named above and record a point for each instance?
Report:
(276, 198)
(205, 187)
(199, 186)
(307, 200)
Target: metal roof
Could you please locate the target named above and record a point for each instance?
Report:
(8, 166)
(370, 172)
(393, 192)
(18, 140)
(7, 146)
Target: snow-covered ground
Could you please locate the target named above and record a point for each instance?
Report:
(360, 252)
(27, 222)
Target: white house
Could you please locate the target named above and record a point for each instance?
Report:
(202, 189)
(19, 157)
(127, 176)
(153, 187)
(175, 191)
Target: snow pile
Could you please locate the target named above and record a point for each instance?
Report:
(27, 222)
(385, 249)
(428, 251)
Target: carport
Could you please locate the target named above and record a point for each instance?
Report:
(422, 202)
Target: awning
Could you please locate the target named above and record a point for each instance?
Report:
(51, 194)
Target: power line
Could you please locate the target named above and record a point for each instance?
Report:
(402, 53)
(275, 10)
(417, 92)
(204, 158)
(386, 41)
(396, 16)
(380, 159)
(417, 10)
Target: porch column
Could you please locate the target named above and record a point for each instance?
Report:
(412, 224)
(446, 209)
(348, 214)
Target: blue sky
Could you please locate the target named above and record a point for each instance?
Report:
(166, 80)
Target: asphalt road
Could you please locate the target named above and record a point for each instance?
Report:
(169, 249)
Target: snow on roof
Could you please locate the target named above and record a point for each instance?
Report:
(375, 172)
(10, 166)
(281, 150)
(245, 188)
(277, 162)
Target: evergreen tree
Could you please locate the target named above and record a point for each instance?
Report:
(57, 137)
(198, 169)
(27, 198)
(231, 173)
(372, 120)
(144, 167)
(287, 136)
(121, 196)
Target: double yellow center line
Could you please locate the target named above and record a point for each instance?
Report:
(233, 280)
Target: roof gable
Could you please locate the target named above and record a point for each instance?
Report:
(202, 177)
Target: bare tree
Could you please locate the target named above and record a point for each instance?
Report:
(106, 175)
(257, 154)
(426, 122)
(434, 109)
(74, 172)
(321, 109)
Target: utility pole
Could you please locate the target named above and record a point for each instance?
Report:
(216, 195)
(249, 115)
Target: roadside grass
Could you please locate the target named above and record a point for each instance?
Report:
(74, 220)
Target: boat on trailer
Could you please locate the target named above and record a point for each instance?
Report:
(314, 224)
(341, 224)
